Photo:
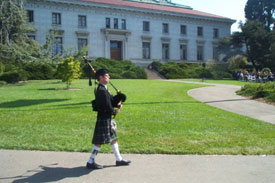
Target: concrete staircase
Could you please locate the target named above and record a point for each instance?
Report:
(154, 75)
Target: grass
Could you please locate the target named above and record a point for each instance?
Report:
(158, 117)
(222, 81)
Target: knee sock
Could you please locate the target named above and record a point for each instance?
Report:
(116, 151)
(95, 150)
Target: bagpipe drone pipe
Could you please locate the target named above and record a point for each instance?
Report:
(117, 99)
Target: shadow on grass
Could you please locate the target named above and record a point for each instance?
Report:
(168, 102)
(24, 103)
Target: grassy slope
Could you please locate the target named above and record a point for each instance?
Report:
(158, 117)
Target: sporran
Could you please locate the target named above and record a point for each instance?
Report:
(113, 125)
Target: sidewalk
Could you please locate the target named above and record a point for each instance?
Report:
(66, 167)
(223, 96)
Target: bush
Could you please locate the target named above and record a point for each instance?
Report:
(40, 71)
(266, 91)
(10, 77)
(156, 65)
(117, 69)
(3, 83)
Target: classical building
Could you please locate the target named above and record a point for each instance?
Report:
(136, 30)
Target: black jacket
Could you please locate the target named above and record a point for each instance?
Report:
(104, 102)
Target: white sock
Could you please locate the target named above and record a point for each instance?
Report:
(116, 151)
(95, 150)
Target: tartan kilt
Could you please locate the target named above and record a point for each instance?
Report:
(103, 133)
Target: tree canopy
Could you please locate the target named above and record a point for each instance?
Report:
(261, 10)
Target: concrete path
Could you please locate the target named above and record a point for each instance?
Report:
(65, 167)
(223, 96)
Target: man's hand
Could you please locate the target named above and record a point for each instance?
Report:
(119, 108)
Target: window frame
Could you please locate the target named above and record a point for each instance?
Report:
(146, 26)
(56, 18)
(146, 55)
(200, 31)
(165, 28)
(82, 21)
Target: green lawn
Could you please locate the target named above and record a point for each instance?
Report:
(158, 117)
(222, 81)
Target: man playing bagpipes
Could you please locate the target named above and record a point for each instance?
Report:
(105, 128)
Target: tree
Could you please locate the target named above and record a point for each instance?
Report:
(69, 70)
(257, 42)
(261, 10)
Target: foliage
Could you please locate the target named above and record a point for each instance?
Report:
(261, 10)
(173, 70)
(69, 70)
(40, 71)
(266, 91)
(11, 77)
(237, 62)
(118, 69)
(156, 115)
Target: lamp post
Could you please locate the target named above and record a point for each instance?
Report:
(203, 71)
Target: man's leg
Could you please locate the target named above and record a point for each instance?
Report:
(91, 162)
(119, 160)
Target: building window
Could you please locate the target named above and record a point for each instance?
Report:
(56, 18)
(146, 51)
(82, 21)
(165, 51)
(200, 31)
(146, 26)
(57, 46)
(82, 43)
(108, 23)
(183, 52)
(215, 52)
(30, 16)
(200, 52)
(123, 24)
(165, 28)
(183, 29)
(115, 23)
(31, 37)
(216, 33)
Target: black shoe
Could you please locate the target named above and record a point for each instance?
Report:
(93, 166)
(123, 162)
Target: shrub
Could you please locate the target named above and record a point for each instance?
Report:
(39, 71)
(10, 77)
(156, 65)
(3, 83)
(266, 91)
(117, 69)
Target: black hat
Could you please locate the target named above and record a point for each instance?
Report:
(101, 72)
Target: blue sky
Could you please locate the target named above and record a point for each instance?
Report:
(233, 9)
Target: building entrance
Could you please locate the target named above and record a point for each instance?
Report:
(116, 50)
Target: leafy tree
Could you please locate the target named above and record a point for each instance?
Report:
(261, 10)
(69, 70)
(237, 62)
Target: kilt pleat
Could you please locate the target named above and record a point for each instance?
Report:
(103, 133)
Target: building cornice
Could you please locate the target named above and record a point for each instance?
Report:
(137, 10)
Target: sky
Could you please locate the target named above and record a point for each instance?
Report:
(233, 9)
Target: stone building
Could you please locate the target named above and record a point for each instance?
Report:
(136, 30)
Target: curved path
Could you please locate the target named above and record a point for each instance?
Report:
(223, 96)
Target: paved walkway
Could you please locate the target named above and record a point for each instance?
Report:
(66, 167)
(223, 96)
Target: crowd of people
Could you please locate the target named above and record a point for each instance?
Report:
(258, 77)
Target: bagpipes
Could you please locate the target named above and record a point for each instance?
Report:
(117, 99)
